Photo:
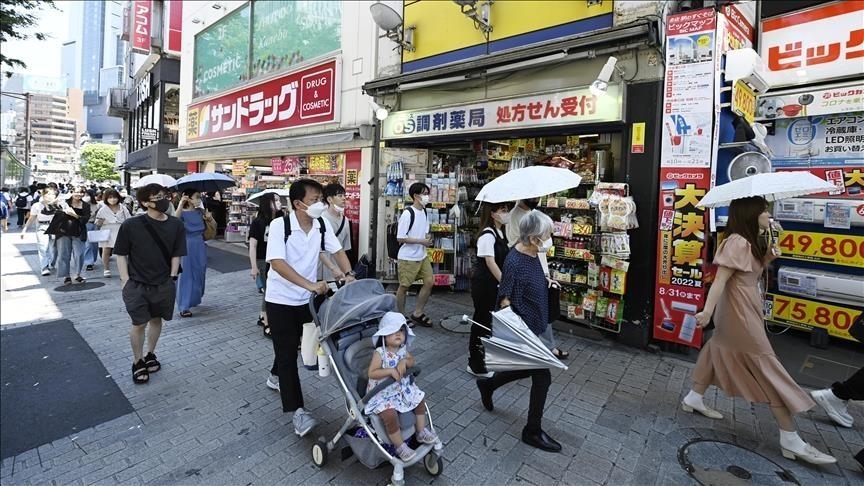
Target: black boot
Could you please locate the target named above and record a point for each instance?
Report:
(540, 440)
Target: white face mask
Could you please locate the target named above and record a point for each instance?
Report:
(503, 218)
(424, 199)
(315, 210)
(86, 199)
(545, 245)
(338, 209)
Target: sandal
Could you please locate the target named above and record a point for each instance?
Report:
(422, 320)
(153, 364)
(267, 332)
(261, 321)
(562, 355)
(186, 313)
(140, 374)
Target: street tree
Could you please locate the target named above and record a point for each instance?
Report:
(98, 162)
(17, 17)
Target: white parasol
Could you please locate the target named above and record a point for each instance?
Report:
(528, 183)
(772, 186)
(163, 180)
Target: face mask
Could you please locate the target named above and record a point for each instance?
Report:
(162, 205)
(424, 199)
(531, 203)
(338, 209)
(545, 245)
(86, 199)
(316, 210)
(278, 205)
(503, 218)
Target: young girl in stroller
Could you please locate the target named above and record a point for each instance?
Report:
(391, 359)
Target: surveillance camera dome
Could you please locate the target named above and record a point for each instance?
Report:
(385, 17)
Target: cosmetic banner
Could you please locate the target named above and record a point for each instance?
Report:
(681, 255)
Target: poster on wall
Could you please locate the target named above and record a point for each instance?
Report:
(812, 140)
(352, 194)
(681, 255)
(843, 98)
(688, 99)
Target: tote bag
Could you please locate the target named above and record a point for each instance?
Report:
(98, 236)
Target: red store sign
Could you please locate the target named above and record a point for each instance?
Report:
(301, 98)
(142, 16)
(820, 43)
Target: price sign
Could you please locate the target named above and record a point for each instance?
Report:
(442, 280)
(807, 314)
(847, 250)
(436, 255)
(583, 229)
(744, 100)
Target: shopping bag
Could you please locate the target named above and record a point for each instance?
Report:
(209, 226)
(98, 236)
(309, 345)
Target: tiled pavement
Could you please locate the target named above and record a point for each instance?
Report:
(208, 418)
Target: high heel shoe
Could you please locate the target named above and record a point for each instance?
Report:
(705, 410)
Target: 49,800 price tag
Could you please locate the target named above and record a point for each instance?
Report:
(846, 250)
(806, 314)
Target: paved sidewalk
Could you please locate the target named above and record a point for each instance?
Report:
(208, 418)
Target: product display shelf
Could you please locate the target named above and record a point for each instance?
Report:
(239, 220)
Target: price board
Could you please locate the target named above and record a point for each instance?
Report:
(744, 100)
(834, 249)
(807, 314)
(583, 229)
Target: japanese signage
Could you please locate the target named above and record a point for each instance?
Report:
(793, 55)
(300, 98)
(817, 138)
(637, 138)
(807, 314)
(546, 109)
(326, 164)
(841, 99)
(238, 168)
(688, 98)
(738, 32)
(834, 249)
(173, 26)
(287, 32)
(681, 254)
(222, 54)
(142, 16)
(744, 100)
(149, 134)
(277, 164)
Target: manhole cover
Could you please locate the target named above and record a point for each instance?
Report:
(719, 463)
(456, 324)
(79, 287)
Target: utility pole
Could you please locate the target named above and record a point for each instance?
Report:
(27, 162)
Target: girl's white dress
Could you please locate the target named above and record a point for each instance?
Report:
(402, 396)
(112, 222)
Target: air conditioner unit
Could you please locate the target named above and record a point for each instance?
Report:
(839, 288)
(810, 210)
(746, 65)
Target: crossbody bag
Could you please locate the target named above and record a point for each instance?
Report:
(161, 244)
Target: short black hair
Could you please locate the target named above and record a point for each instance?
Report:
(333, 189)
(190, 192)
(144, 193)
(300, 188)
(417, 188)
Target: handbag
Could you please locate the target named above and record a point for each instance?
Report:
(64, 225)
(554, 303)
(98, 236)
(209, 227)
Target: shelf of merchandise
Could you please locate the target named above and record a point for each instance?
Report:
(237, 229)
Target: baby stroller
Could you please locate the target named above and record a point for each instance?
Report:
(346, 321)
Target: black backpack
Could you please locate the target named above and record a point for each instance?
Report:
(287, 220)
(392, 229)
(21, 201)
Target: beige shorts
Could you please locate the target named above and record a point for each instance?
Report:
(410, 272)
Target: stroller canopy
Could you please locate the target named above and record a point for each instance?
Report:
(354, 304)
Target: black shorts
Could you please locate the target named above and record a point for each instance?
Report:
(145, 302)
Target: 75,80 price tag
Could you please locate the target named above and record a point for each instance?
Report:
(803, 313)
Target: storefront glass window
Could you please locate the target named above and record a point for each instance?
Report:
(222, 54)
(171, 115)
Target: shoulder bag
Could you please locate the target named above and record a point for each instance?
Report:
(161, 244)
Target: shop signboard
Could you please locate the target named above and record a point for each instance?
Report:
(222, 54)
(844, 98)
(149, 134)
(304, 97)
(569, 107)
(352, 193)
(239, 167)
(173, 26)
(688, 98)
(819, 139)
(807, 314)
(326, 164)
(681, 255)
(793, 55)
(744, 100)
(834, 249)
(277, 165)
(142, 19)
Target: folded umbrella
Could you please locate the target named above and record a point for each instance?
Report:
(513, 346)
(528, 183)
(163, 180)
(772, 186)
(205, 182)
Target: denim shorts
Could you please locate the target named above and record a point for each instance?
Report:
(145, 302)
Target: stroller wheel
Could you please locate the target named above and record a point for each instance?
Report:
(433, 463)
(319, 453)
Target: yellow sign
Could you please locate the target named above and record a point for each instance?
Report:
(441, 27)
(326, 163)
(807, 314)
(744, 100)
(846, 250)
(637, 139)
(238, 168)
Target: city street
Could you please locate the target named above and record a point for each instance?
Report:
(208, 418)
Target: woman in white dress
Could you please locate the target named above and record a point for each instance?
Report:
(110, 216)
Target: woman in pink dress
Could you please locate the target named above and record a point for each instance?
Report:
(739, 359)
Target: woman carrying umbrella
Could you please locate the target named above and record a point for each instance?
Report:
(738, 358)
(190, 285)
(525, 289)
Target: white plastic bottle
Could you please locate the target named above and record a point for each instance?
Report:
(323, 363)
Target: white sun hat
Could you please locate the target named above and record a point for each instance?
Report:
(390, 323)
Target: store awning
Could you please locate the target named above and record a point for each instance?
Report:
(266, 148)
(644, 33)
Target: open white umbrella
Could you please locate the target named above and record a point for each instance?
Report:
(772, 186)
(278, 192)
(528, 183)
(163, 180)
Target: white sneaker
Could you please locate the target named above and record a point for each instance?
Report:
(46, 272)
(489, 374)
(303, 422)
(834, 407)
(273, 382)
(405, 453)
(809, 454)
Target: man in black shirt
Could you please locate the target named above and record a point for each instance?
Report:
(148, 249)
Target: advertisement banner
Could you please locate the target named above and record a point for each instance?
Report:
(174, 27)
(838, 136)
(681, 254)
(352, 194)
(568, 107)
(793, 55)
(833, 249)
(688, 98)
(326, 164)
(222, 54)
(810, 102)
(277, 164)
(239, 167)
(287, 32)
(300, 98)
(142, 19)
(806, 314)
